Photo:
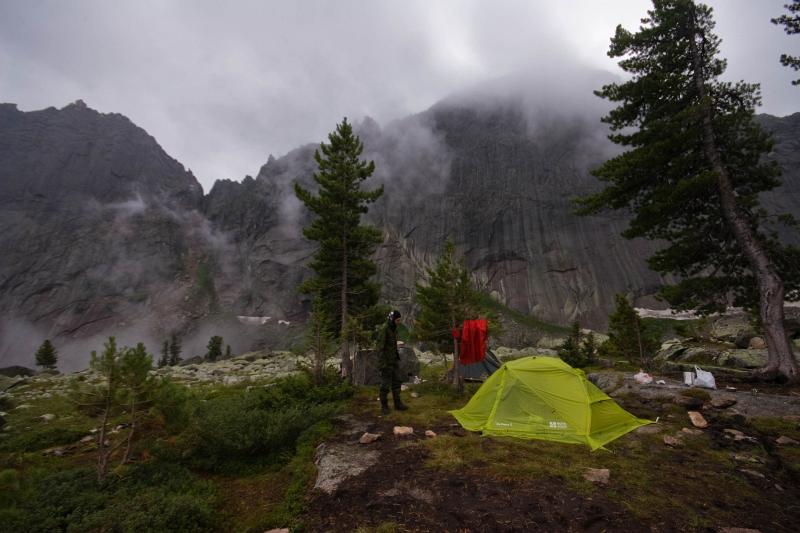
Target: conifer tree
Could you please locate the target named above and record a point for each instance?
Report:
(175, 350)
(628, 336)
(571, 350)
(164, 360)
(134, 372)
(343, 268)
(693, 170)
(791, 25)
(446, 299)
(46, 355)
(228, 351)
(214, 348)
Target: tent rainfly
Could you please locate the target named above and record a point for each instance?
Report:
(545, 398)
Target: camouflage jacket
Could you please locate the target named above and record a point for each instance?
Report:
(388, 355)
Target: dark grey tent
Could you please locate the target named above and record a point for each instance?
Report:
(482, 369)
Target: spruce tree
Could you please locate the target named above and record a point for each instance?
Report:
(134, 374)
(164, 360)
(46, 355)
(571, 351)
(692, 172)
(342, 265)
(447, 298)
(175, 350)
(228, 351)
(791, 25)
(214, 348)
(629, 337)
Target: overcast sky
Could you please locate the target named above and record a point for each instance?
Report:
(221, 85)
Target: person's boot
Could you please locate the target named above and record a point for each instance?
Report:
(384, 403)
(398, 403)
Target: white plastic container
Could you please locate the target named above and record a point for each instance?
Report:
(688, 378)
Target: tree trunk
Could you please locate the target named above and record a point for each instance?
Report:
(127, 454)
(781, 361)
(458, 381)
(347, 363)
(103, 454)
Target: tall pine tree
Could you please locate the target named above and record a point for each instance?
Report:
(46, 355)
(692, 172)
(343, 268)
(791, 25)
(175, 350)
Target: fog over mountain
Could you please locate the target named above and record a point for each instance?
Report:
(223, 86)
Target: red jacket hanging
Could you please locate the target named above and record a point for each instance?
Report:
(473, 341)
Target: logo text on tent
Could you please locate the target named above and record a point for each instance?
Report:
(557, 425)
(503, 424)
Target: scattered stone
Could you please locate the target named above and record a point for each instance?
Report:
(403, 431)
(57, 452)
(431, 434)
(87, 438)
(723, 402)
(368, 438)
(747, 459)
(672, 441)
(278, 530)
(600, 476)
(403, 387)
(792, 418)
(752, 473)
(649, 429)
(739, 436)
(692, 431)
(738, 530)
(783, 440)
(24, 406)
(778, 488)
(48, 417)
(697, 420)
(414, 395)
(688, 402)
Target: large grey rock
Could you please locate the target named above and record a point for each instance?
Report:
(16, 370)
(339, 461)
(608, 382)
(365, 366)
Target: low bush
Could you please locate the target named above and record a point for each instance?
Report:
(38, 439)
(154, 497)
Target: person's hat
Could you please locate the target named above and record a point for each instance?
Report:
(394, 315)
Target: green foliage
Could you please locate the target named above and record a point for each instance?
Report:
(320, 343)
(232, 431)
(164, 359)
(172, 402)
(791, 25)
(629, 337)
(153, 497)
(46, 355)
(578, 350)
(40, 438)
(666, 177)
(344, 257)
(447, 299)
(175, 350)
(214, 348)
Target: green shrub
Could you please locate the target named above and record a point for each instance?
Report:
(173, 403)
(154, 496)
(38, 439)
(5, 402)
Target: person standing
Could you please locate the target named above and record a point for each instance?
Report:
(389, 364)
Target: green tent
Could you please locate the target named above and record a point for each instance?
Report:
(545, 398)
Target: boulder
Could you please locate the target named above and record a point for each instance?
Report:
(607, 382)
(692, 431)
(337, 462)
(365, 369)
(723, 402)
(672, 442)
(697, 420)
(600, 476)
(783, 440)
(757, 343)
(690, 403)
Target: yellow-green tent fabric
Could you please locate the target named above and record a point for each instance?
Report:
(545, 398)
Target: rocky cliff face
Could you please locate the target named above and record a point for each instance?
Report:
(100, 228)
(104, 231)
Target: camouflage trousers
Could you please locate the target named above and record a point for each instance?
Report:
(391, 380)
